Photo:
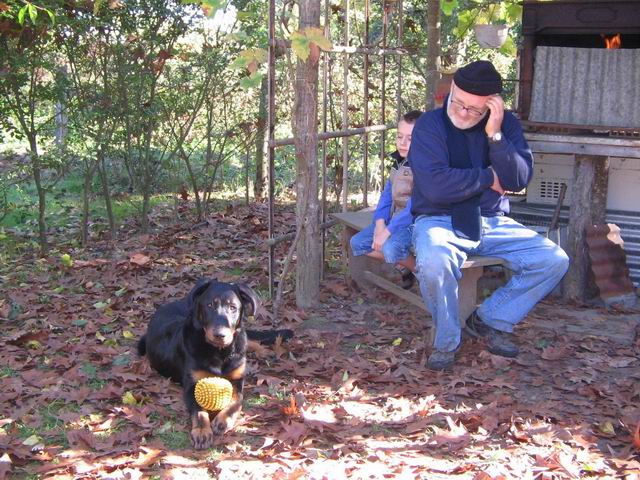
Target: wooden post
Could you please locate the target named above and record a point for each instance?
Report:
(434, 51)
(305, 128)
(588, 206)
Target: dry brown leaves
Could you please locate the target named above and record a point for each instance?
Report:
(348, 397)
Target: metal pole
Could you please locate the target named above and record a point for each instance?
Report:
(345, 111)
(271, 72)
(385, 21)
(366, 105)
(325, 75)
(281, 142)
(400, 41)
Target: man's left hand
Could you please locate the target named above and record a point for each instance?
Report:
(496, 115)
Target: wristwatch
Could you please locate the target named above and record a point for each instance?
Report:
(496, 137)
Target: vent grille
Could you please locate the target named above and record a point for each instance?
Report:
(550, 189)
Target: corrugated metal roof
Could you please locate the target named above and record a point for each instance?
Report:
(586, 86)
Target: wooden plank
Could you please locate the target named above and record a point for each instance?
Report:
(395, 289)
(361, 219)
(356, 220)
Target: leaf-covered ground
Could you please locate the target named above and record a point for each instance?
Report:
(349, 397)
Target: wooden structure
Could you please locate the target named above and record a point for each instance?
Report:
(366, 271)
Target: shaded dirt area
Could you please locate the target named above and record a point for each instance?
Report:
(349, 397)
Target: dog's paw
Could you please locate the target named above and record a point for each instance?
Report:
(223, 423)
(201, 433)
(201, 438)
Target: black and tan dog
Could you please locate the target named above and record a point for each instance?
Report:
(203, 335)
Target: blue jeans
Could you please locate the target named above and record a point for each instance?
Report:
(396, 248)
(537, 264)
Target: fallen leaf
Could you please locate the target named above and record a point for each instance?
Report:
(5, 466)
(292, 408)
(139, 259)
(129, 399)
(554, 353)
(292, 432)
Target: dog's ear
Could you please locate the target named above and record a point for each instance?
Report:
(201, 285)
(249, 298)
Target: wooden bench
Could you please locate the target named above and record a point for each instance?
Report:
(366, 271)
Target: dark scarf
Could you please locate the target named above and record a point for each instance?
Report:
(466, 215)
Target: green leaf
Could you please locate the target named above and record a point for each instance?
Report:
(316, 35)
(129, 399)
(514, 13)
(22, 13)
(465, 20)
(300, 45)
(448, 6)
(252, 81)
(509, 47)
(211, 7)
(96, 6)
(240, 63)
(33, 13)
(345, 376)
(66, 260)
(397, 342)
(80, 322)
(32, 440)
(52, 17)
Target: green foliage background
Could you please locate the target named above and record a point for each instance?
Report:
(155, 98)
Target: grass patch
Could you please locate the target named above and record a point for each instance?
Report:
(175, 439)
(6, 372)
(255, 401)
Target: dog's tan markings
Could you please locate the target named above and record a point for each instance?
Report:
(227, 418)
(201, 433)
(199, 374)
(237, 372)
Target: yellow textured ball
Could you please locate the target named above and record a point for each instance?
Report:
(213, 393)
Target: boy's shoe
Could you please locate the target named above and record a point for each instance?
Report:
(407, 278)
(498, 342)
(440, 360)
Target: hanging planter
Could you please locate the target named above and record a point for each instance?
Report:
(490, 35)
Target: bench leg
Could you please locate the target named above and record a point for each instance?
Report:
(359, 265)
(468, 293)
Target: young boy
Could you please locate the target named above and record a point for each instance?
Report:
(388, 238)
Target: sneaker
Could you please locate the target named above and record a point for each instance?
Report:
(407, 278)
(439, 360)
(498, 342)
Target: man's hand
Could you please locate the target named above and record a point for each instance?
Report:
(380, 235)
(496, 183)
(496, 115)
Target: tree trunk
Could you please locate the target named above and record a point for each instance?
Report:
(588, 207)
(262, 139)
(42, 195)
(86, 198)
(433, 51)
(106, 193)
(305, 127)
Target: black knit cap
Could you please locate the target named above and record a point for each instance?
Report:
(479, 78)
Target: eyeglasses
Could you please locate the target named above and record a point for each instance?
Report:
(474, 112)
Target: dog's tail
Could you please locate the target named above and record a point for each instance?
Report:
(268, 337)
(142, 346)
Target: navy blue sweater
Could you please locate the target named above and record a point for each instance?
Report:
(436, 186)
